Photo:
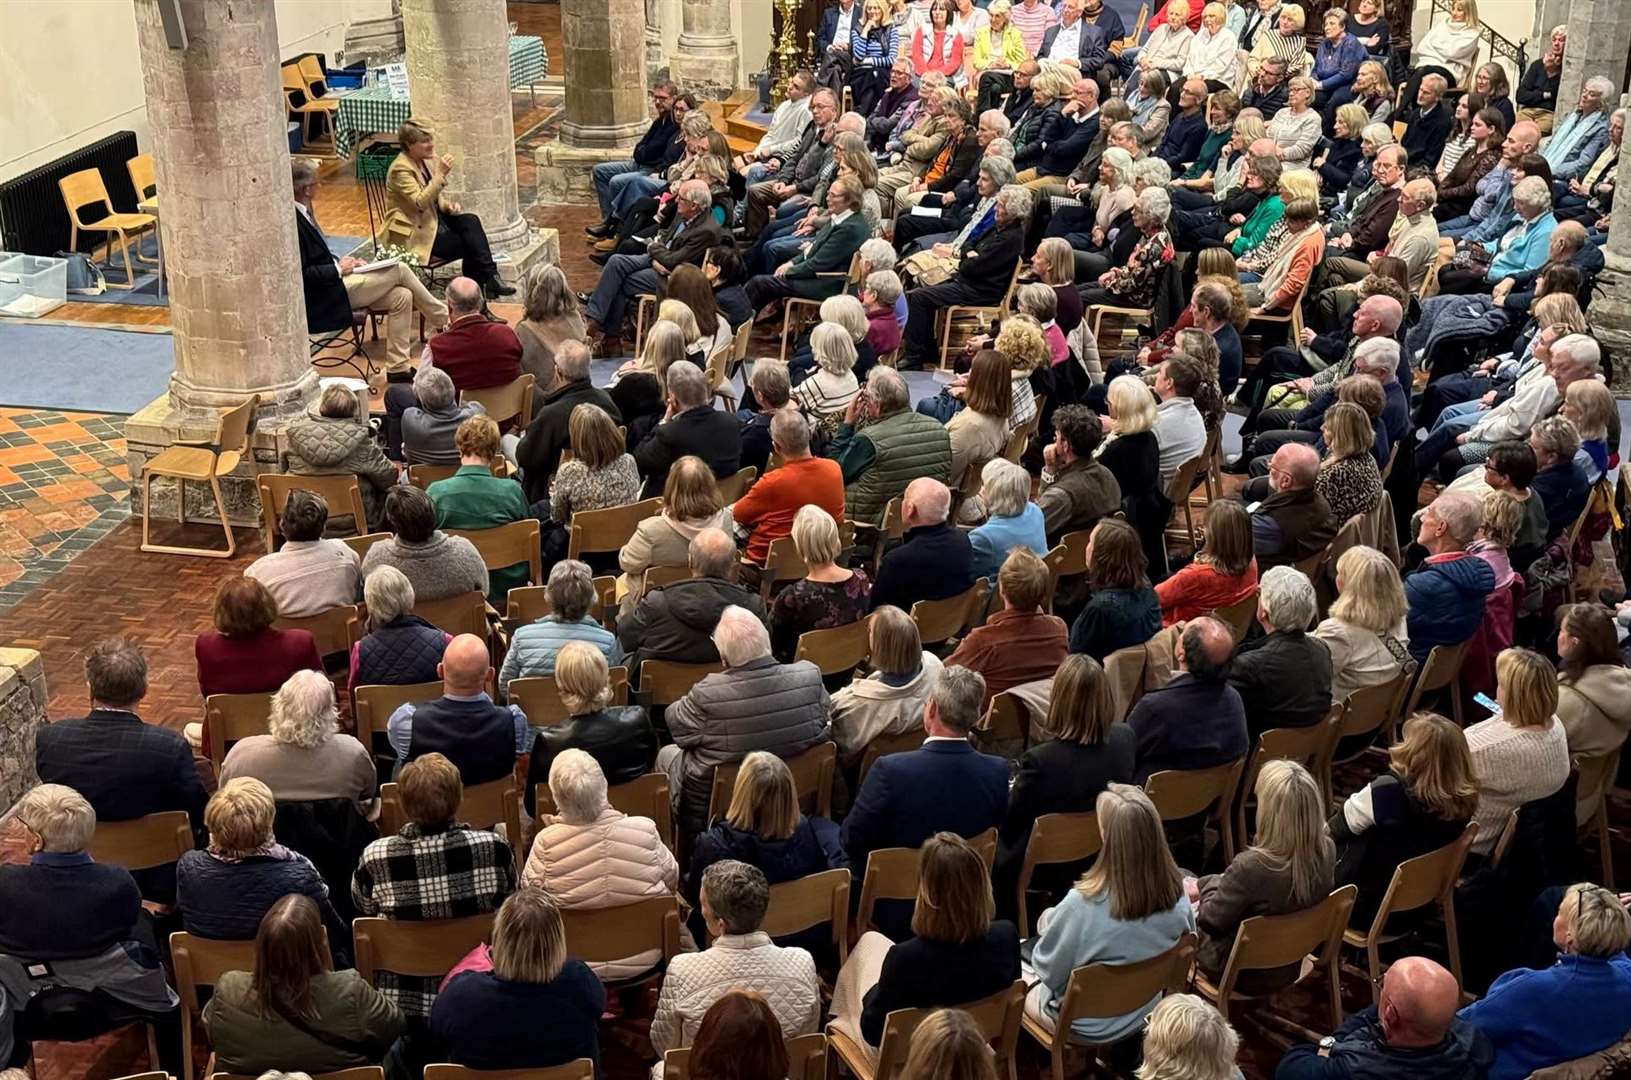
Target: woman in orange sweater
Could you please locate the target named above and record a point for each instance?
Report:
(1287, 276)
(1223, 573)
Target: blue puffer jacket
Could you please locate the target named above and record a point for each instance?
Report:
(1446, 601)
(535, 646)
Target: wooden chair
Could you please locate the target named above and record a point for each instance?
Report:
(541, 701)
(941, 620)
(891, 527)
(1292, 318)
(512, 401)
(1131, 40)
(1596, 779)
(529, 603)
(838, 649)
(735, 486)
(979, 314)
(232, 717)
(338, 490)
(85, 188)
(1183, 482)
(144, 179)
(1105, 991)
(812, 776)
(1006, 718)
(372, 705)
(1067, 559)
(1013, 450)
(663, 682)
(335, 629)
(1055, 839)
(997, 1017)
(361, 544)
(199, 963)
(1426, 879)
(508, 545)
(806, 309)
(1370, 710)
(465, 613)
(1272, 941)
(299, 101)
(581, 1069)
(1184, 793)
(814, 900)
(645, 796)
(1238, 616)
(142, 843)
(206, 460)
(1442, 671)
(806, 1059)
(1096, 315)
(643, 313)
(425, 948)
(717, 373)
(784, 563)
(422, 476)
(497, 802)
(892, 873)
(604, 935)
(1311, 747)
(608, 529)
(884, 745)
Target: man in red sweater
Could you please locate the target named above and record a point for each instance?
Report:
(769, 506)
(475, 351)
(1022, 642)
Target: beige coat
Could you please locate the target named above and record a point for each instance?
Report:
(661, 541)
(976, 438)
(868, 708)
(1359, 658)
(414, 202)
(612, 861)
(1596, 713)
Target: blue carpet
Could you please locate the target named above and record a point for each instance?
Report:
(82, 368)
(146, 292)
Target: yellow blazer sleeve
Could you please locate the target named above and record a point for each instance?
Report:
(405, 184)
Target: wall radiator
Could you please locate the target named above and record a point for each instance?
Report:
(32, 216)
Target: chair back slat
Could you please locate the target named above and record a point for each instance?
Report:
(608, 529)
(373, 705)
(512, 401)
(1373, 707)
(1238, 616)
(603, 935)
(1007, 717)
(200, 962)
(334, 629)
(884, 745)
(540, 699)
(425, 948)
(361, 544)
(1183, 793)
(465, 613)
(645, 796)
(941, 620)
(338, 490)
(814, 900)
(806, 1054)
(1426, 879)
(838, 649)
(232, 717)
(142, 843)
(1275, 941)
(1102, 991)
(733, 487)
(663, 682)
(1311, 747)
(1055, 839)
(997, 1017)
(507, 545)
(892, 874)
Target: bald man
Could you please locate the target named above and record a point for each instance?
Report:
(1197, 720)
(482, 738)
(1294, 521)
(935, 559)
(1411, 1032)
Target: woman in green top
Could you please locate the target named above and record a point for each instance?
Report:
(1255, 229)
(473, 498)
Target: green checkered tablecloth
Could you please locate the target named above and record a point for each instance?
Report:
(374, 109)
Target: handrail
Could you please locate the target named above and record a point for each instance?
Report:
(1499, 44)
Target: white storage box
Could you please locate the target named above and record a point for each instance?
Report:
(31, 285)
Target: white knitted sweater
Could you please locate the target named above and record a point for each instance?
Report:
(1513, 766)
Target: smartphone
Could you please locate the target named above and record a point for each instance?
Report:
(1487, 702)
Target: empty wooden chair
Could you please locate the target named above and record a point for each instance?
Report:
(339, 491)
(205, 461)
(142, 843)
(1442, 671)
(512, 401)
(663, 682)
(1426, 879)
(1056, 839)
(606, 935)
(86, 189)
(998, 1018)
(839, 649)
(1183, 793)
(199, 964)
(939, 621)
(812, 776)
(230, 717)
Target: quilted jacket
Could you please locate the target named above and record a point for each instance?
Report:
(608, 862)
(786, 977)
(226, 900)
(325, 445)
(870, 707)
(762, 705)
(535, 646)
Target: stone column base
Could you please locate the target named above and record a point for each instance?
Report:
(1610, 318)
(564, 171)
(540, 246)
(22, 713)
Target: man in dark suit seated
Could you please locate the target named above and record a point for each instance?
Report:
(692, 426)
(828, 252)
(985, 269)
(1427, 122)
(476, 351)
(1196, 721)
(124, 767)
(1077, 43)
(335, 288)
(686, 239)
(551, 429)
(1066, 150)
(947, 786)
(934, 561)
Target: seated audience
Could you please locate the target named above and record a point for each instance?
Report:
(1365, 630)
(684, 240)
(473, 498)
(1130, 450)
(1283, 677)
(535, 647)
(1129, 907)
(330, 438)
(245, 653)
(1520, 754)
(1537, 92)
(619, 737)
(437, 565)
(882, 445)
(1420, 804)
(1186, 1036)
(985, 267)
(1288, 868)
(539, 453)
(691, 427)
(428, 427)
(308, 575)
(1580, 1005)
(802, 479)
(1593, 688)
(1077, 489)
(948, 1043)
(487, 1014)
(826, 393)
(1224, 571)
(1580, 136)
(589, 855)
(739, 1036)
(304, 758)
(1133, 282)
(768, 392)
(827, 596)
(956, 955)
(600, 475)
(551, 316)
(1122, 609)
(1294, 522)
(1019, 642)
(891, 699)
(934, 560)
(433, 868)
(1560, 481)
(1197, 720)
(1011, 521)
(1446, 595)
(225, 890)
(464, 725)
(293, 1009)
(399, 648)
(1348, 476)
(691, 503)
(754, 704)
(1180, 430)
(979, 431)
(1426, 118)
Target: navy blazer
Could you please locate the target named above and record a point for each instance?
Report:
(904, 799)
(328, 305)
(1092, 46)
(1067, 151)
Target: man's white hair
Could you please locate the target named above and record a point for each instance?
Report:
(887, 388)
(687, 385)
(1286, 597)
(578, 786)
(1460, 513)
(852, 122)
(740, 637)
(303, 710)
(1378, 356)
(878, 254)
(1578, 349)
(931, 498)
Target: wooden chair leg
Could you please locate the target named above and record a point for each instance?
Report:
(221, 508)
(1452, 940)
(124, 252)
(181, 500)
(1373, 964)
(147, 510)
(1333, 971)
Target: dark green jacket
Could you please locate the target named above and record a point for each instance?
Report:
(473, 498)
(830, 252)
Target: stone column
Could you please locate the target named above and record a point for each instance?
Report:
(1599, 37)
(1610, 312)
(22, 714)
(654, 41)
(606, 112)
(459, 76)
(706, 60)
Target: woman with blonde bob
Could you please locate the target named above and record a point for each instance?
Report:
(1188, 1039)
(1130, 451)
(1421, 803)
(1522, 752)
(828, 595)
(825, 395)
(949, 1045)
(619, 737)
(889, 700)
(691, 503)
(304, 758)
(1365, 629)
(1348, 477)
(1011, 519)
(487, 1013)
(1290, 868)
(957, 955)
(1130, 906)
(1589, 406)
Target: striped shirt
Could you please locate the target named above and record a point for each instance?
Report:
(1033, 23)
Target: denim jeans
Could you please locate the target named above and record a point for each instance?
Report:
(601, 176)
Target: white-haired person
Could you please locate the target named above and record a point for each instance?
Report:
(304, 757)
(1186, 1038)
(1011, 519)
(399, 648)
(1580, 136)
(936, 560)
(826, 394)
(1284, 676)
(827, 596)
(1133, 285)
(1446, 594)
(589, 855)
(1523, 249)
(984, 270)
(881, 295)
(534, 647)
(488, 1015)
(733, 897)
(889, 700)
(1365, 630)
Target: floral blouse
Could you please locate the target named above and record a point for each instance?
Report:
(1135, 283)
(1351, 486)
(815, 605)
(576, 488)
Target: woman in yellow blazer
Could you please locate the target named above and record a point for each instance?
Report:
(999, 50)
(420, 220)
